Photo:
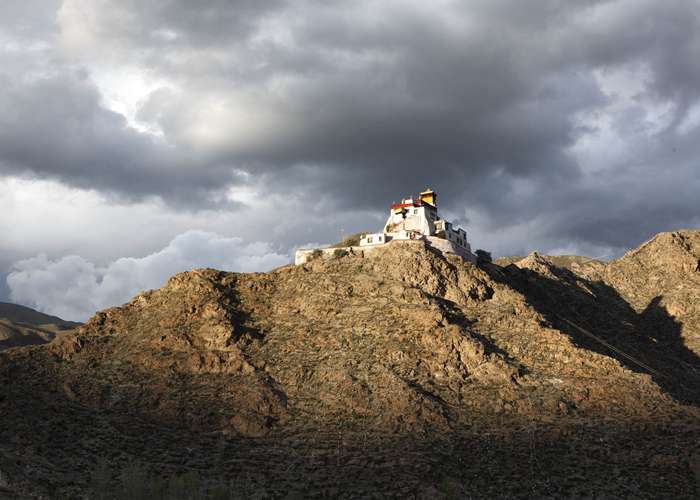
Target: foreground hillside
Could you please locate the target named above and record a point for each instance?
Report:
(403, 374)
(21, 326)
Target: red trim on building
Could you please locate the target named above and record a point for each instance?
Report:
(416, 203)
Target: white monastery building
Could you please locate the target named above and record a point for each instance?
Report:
(412, 219)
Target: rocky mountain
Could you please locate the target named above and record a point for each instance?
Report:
(402, 374)
(21, 326)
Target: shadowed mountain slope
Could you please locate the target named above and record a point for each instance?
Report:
(405, 373)
(21, 326)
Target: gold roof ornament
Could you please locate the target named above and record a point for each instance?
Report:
(429, 196)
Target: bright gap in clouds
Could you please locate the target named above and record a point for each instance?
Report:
(74, 288)
(124, 90)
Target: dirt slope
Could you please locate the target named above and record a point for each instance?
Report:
(406, 373)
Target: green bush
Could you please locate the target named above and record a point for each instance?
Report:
(339, 252)
(483, 257)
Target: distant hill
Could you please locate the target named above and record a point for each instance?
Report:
(20, 326)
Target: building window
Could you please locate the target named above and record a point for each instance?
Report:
(369, 239)
(415, 210)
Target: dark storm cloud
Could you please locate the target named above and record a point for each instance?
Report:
(56, 128)
(183, 23)
(365, 101)
(635, 201)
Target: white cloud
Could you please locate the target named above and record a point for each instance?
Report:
(47, 217)
(74, 288)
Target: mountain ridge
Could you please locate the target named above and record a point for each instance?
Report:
(334, 370)
(21, 326)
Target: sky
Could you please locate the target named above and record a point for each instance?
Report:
(140, 139)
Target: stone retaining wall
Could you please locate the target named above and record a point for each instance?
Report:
(304, 255)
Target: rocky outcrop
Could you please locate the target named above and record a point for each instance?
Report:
(662, 276)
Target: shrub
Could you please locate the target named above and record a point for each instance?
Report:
(483, 257)
(450, 488)
(135, 482)
(349, 241)
(187, 486)
(340, 252)
(100, 480)
(316, 254)
(221, 491)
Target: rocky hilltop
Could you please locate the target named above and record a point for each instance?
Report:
(406, 374)
(21, 326)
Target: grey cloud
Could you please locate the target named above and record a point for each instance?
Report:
(29, 19)
(364, 102)
(74, 288)
(169, 24)
(55, 127)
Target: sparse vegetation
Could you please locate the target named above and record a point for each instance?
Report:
(187, 486)
(316, 254)
(134, 482)
(402, 373)
(450, 489)
(100, 480)
(349, 241)
(483, 257)
(340, 252)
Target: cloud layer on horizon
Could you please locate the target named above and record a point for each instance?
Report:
(74, 288)
(548, 125)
